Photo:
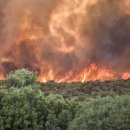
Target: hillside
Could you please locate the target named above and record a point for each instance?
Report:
(87, 89)
(31, 105)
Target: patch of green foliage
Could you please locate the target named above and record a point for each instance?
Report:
(20, 78)
(23, 106)
(87, 89)
(104, 114)
(28, 109)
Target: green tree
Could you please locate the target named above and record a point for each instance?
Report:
(27, 108)
(21, 78)
(104, 114)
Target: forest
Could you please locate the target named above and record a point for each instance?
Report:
(27, 104)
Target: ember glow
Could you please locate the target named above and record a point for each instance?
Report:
(66, 40)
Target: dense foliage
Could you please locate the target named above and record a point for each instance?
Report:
(23, 105)
(20, 78)
(28, 109)
(87, 89)
(104, 114)
(26, 104)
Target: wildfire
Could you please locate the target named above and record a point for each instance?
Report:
(91, 73)
(66, 40)
(125, 75)
(2, 77)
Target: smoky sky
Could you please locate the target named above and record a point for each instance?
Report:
(64, 36)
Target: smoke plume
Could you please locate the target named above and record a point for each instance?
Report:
(62, 39)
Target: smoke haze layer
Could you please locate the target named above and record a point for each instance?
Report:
(62, 38)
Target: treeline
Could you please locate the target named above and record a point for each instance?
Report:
(25, 106)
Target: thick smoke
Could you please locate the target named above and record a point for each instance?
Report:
(109, 35)
(63, 37)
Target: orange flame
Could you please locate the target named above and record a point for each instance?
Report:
(62, 39)
(2, 77)
(91, 73)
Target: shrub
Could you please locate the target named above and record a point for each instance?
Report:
(104, 114)
(20, 78)
(28, 109)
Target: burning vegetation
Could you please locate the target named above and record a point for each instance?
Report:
(66, 40)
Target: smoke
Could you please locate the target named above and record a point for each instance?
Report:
(109, 34)
(63, 37)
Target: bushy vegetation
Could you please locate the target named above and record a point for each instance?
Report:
(20, 78)
(28, 109)
(87, 89)
(104, 114)
(23, 105)
(26, 104)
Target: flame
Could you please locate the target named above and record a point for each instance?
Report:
(66, 40)
(2, 77)
(125, 75)
(92, 73)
